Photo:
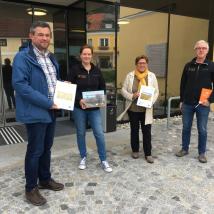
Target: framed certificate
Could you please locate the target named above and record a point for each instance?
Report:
(145, 98)
(94, 98)
(64, 95)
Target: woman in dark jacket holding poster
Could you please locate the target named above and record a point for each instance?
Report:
(88, 78)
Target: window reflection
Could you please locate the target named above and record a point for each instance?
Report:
(101, 34)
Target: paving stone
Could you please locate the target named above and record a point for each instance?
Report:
(92, 184)
(64, 206)
(89, 192)
(144, 210)
(170, 185)
(69, 184)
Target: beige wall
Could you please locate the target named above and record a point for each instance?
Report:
(184, 32)
(133, 38)
(152, 29)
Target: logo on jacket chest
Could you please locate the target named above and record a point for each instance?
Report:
(81, 76)
(192, 69)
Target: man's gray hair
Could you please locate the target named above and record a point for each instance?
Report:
(39, 24)
(199, 42)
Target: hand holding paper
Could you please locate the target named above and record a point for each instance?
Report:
(205, 94)
(93, 99)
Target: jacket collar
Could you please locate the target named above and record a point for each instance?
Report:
(206, 61)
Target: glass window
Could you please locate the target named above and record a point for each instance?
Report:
(76, 32)
(101, 29)
(15, 23)
(90, 42)
(104, 42)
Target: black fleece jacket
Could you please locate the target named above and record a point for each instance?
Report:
(195, 77)
(86, 81)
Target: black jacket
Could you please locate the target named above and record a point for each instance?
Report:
(195, 77)
(86, 81)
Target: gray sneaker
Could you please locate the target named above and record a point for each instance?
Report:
(149, 159)
(181, 153)
(202, 158)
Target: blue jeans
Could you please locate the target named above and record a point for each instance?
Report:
(202, 113)
(81, 117)
(38, 155)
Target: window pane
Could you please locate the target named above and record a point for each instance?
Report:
(101, 29)
(15, 24)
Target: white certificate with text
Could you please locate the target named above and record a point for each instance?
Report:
(64, 95)
(145, 98)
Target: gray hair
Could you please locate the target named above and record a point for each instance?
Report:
(39, 24)
(199, 42)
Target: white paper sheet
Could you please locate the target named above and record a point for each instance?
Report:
(146, 96)
(64, 95)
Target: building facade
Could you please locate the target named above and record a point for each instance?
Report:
(165, 30)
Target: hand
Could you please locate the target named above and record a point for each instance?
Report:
(82, 104)
(205, 103)
(54, 106)
(135, 95)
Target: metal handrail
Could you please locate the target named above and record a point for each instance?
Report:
(169, 108)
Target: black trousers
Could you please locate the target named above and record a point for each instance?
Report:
(137, 119)
(10, 96)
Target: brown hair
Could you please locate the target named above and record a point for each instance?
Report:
(39, 24)
(84, 47)
(141, 57)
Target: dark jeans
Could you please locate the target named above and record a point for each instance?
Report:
(38, 155)
(137, 119)
(202, 113)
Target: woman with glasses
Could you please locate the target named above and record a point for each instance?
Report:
(138, 115)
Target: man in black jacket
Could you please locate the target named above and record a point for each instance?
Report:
(197, 74)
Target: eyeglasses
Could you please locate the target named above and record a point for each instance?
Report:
(142, 63)
(201, 48)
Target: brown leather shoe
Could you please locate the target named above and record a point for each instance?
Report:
(34, 197)
(51, 185)
(181, 153)
(135, 155)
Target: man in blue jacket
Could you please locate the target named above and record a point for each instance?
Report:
(35, 72)
(197, 74)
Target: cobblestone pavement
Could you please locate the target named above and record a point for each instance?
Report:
(170, 185)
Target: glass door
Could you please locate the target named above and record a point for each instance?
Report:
(11, 38)
(2, 116)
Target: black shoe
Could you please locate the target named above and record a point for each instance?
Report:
(34, 197)
(51, 185)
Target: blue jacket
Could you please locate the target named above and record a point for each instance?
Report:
(31, 89)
